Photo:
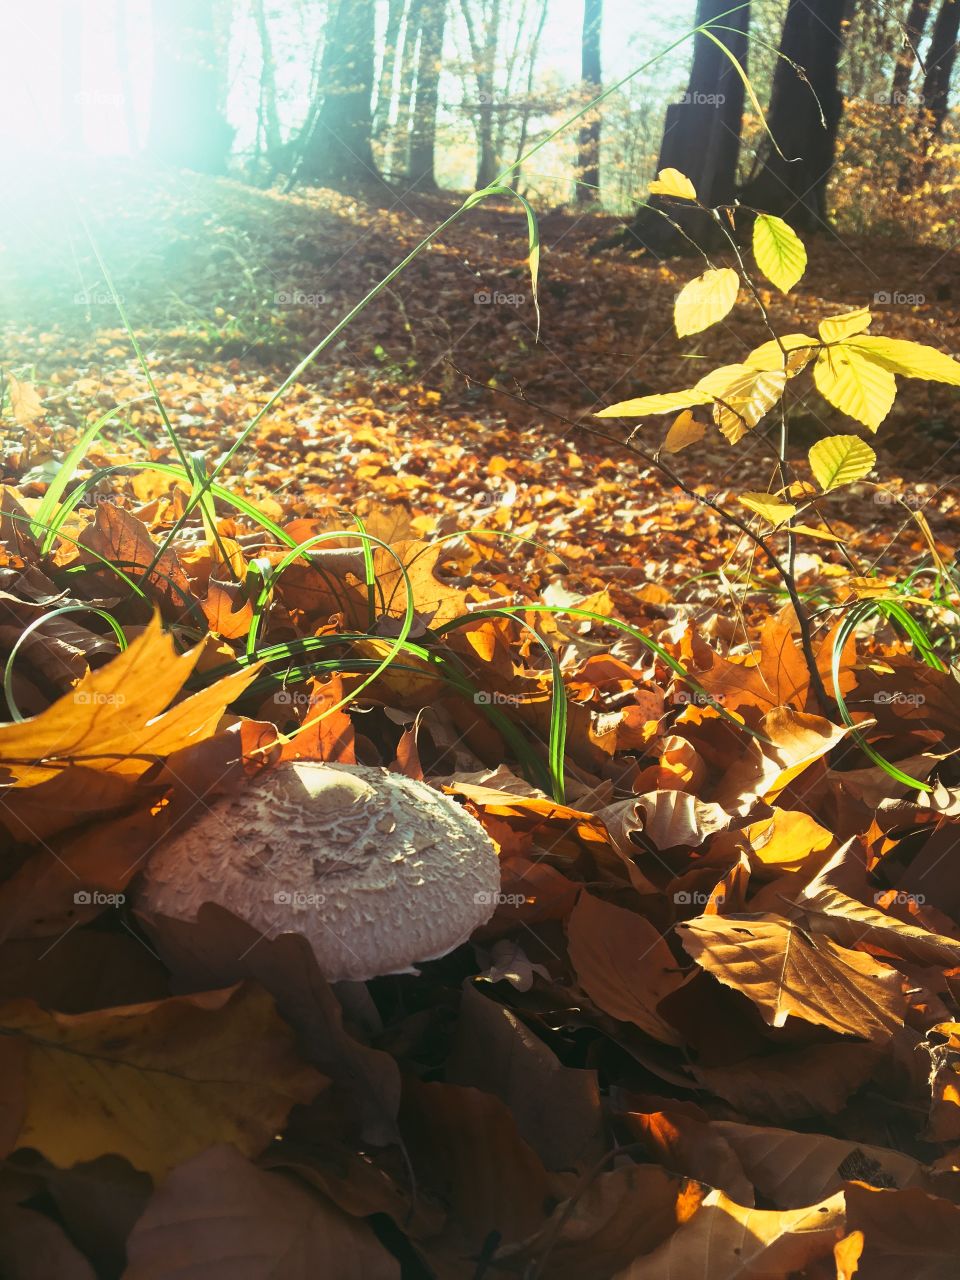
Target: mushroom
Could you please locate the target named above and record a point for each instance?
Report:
(376, 870)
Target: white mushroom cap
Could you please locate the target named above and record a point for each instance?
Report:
(376, 870)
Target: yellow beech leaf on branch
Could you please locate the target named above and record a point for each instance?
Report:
(705, 300)
(779, 251)
(855, 385)
(673, 183)
(836, 328)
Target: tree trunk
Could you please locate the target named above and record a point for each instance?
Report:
(423, 141)
(941, 57)
(186, 126)
(268, 84)
(338, 152)
(483, 50)
(913, 30)
(794, 184)
(400, 150)
(388, 71)
(588, 158)
(701, 134)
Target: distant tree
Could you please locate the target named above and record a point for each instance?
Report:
(187, 127)
(941, 58)
(482, 20)
(805, 109)
(337, 151)
(913, 29)
(400, 149)
(701, 134)
(420, 172)
(588, 158)
(388, 67)
(269, 113)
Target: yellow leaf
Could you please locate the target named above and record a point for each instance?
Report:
(824, 534)
(773, 509)
(779, 251)
(705, 300)
(671, 182)
(841, 460)
(685, 431)
(799, 348)
(155, 1083)
(855, 385)
(24, 400)
(114, 721)
(836, 328)
(670, 402)
(909, 359)
(742, 396)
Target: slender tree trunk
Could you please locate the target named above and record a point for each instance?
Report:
(268, 84)
(423, 140)
(388, 71)
(186, 125)
(794, 184)
(400, 150)
(338, 151)
(913, 30)
(483, 50)
(588, 158)
(941, 57)
(701, 135)
(528, 108)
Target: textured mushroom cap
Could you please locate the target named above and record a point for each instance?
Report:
(376, 870)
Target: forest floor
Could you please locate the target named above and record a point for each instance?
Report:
(729, 937)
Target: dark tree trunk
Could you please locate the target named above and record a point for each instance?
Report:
(941, 58)
(483, 51)
(795, 187)
(588, 158)
(186, 126)
(423, 140)
(338, 152)
(701, 134)
(913, 30)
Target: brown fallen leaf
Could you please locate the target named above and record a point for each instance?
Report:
(155, 1083)
(786, 972)
(220, 1214)
(623, 964)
